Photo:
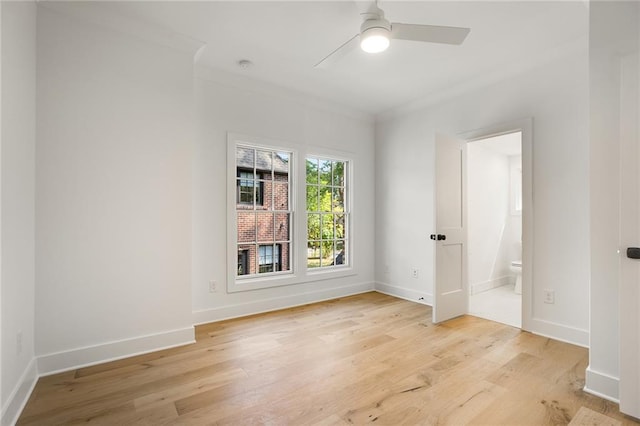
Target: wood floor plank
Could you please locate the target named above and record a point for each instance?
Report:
(587, 417)
(368, 358)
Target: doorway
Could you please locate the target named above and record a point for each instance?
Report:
(494, 227)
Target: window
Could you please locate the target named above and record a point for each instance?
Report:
(269, 244)
(327, 213)
(263, 214)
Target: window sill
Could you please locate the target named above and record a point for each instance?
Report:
(279, 280)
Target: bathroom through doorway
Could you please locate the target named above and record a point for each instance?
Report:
(494, 227)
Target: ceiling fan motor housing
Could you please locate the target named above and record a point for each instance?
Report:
(379, 23)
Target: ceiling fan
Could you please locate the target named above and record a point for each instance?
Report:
(376, 31)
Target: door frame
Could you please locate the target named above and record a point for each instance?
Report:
(526, 127)
(629, 235)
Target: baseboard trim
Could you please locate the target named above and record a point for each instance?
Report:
(111, 351)
(405, 293)
(561, 332)
(491, 284)
(20, 395)
(602, 385)
(206, 316)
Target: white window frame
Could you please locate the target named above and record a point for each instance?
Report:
(298, 273)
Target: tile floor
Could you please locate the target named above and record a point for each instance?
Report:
(499, 304)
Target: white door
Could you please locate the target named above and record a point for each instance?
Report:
(451, 294)
(629, 237)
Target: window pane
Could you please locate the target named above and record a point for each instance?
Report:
(327, 227)
(265, 227)
(282, 226)
(244, 259)
(284, 259)
(265, 191)
(245, 186)
(281, 196)
(265, 254)
(245, 158)
(264, 163)
(341, 255)
(245, 191)
(313, 254)
(327, 253)
(312, 198)
(338, 173)
(269, 258)
(325, 199)
(338, 199)
(246, 227)
(312, 171)
(313, 227)
(324, 168)
(340, 230)
(281, 163)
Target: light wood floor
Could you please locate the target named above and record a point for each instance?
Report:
(369, 358)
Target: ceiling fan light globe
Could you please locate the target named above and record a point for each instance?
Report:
(374, 40)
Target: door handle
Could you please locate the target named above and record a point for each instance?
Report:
(438, 237)
(633, 252)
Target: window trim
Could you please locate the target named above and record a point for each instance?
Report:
(298, 274)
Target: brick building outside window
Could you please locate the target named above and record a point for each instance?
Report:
(263, 210)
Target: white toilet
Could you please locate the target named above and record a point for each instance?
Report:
(516, 267)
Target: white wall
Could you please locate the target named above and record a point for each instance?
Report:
(113, 189)
(493, 234)
(244, 106)
(131, 190)
(18, 197)
(555, 95)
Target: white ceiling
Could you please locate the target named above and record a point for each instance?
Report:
(285, 39)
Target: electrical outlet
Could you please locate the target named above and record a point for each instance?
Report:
(386, 269)
(549, 297)
(212, 286)
(19, 342)
(414, 272)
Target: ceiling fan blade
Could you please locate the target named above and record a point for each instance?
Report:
(429, 33)
(339, 52)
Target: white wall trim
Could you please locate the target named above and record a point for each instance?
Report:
(405, 293)
(91, 355)
(602, 385)
(276, 303)
(20, 395)
(491, 284)
(561, 332)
